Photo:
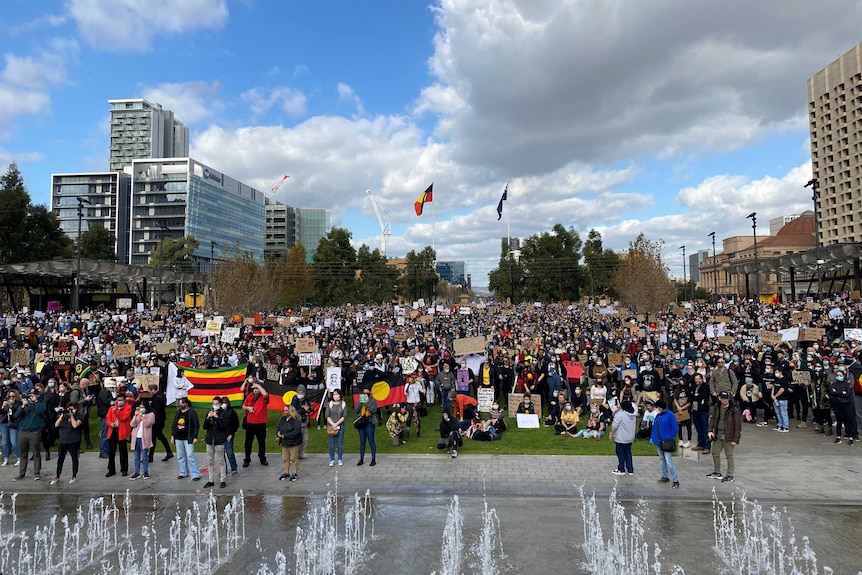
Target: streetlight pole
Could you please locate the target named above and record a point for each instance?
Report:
(684, 283)
(753, 217)
(76, 293)
(814, 184)
(714, 265)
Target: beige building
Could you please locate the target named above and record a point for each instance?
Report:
(835, 116)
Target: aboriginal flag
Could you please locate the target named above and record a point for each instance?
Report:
(82, 368)
(386, 388)
(209, 383)
(425, 197)
(262, 331)
(281, 395)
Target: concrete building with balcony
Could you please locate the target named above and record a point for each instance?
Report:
(141, 129)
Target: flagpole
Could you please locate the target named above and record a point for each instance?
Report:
(433, 224)
(508, 231)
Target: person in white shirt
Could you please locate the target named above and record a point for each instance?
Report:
(181, 384)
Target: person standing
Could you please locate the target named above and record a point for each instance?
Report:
(119, 420)
(623, 434)
(31, 418)
(665, 428)
(722, 379)
(700, 402)
(184, 434)
(70, 423)
(725, 431)
(216, 425)
(233, 427)
(256, 418)
(444, 383)
(142, 440)
(368, 409)
(336, 415)
(842, 393)
(289, 432)
(9, 426)
(780, 396)
(158, 407)
(303, 407)
(181, 384)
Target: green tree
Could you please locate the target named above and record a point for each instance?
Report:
(298, 277)
(601, 265)
(507, 279)
(43, 238)
(552, 265)
(98, 243)
(335, 269)
(642, 280)
(377, 281)
(244, 285)
(176, 254)
(419, 279)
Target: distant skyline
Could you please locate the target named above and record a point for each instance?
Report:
(666, 117)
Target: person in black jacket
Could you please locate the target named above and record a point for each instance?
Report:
(104, 400)
(450, 435)
(233, 426)
(158, 405)
(216, 425)
(184, 434)
(289, 432)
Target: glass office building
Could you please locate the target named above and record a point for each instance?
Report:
(178, 197)
(451, 271)
(314, 224)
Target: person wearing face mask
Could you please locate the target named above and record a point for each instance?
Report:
(51, 399)
(842, 393)
(255, 408)
(184, 434)
(567, 424)
(767, 384)
(623, 434)
(722, 379)
(527, 406)
(104, 400)
(303, 407)
(649, 382)
(444, 383)
(158, 407)
(119, 431)
(820, 401)
(497, 418)
(142, 440)
(217, 426)
(579, 399)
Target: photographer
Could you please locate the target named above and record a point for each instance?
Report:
(9, 426)
(69, 421)
(31, 418)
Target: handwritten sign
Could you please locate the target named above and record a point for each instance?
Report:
(213, 327)
(22, 356)
(616, 358)
(853, 334)
(230, 334)
(467, 345)
(144, 381)
(800, 317)
(426, 319)
(811, 334)
(63, 353)
(485, 397)
(309, 359)
(720, 319)
(725, 340)
(124, 350)
(515, 399)
(801, 376)
(769, 337)
(165, 348)
(305, 345)
(272, 372)
(574, 370)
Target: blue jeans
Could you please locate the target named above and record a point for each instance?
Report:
(667, 466)
(781, 413)
(624, 458)
(103, 438)
(333, 439)
(141, 456)
(367, 434)
(229, 453)
(701, 424)
(186, 459)
(10, 440)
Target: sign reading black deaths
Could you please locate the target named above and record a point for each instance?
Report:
(63, 353)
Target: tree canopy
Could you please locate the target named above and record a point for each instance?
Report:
(642, 279)
(98, 243)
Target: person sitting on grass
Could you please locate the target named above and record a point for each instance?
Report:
(555, 410)
(450, 435)
(526, 406)
(568, 421)
(595, 428)
(396, 425)
(464, 407)
(480, 430)
(496, 417)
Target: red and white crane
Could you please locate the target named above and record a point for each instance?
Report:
(274, 187)
(385, 225)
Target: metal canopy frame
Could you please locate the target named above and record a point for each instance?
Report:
(99, 271)
(834, 256)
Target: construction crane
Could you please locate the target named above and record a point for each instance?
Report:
(274, 188)
(385, 225)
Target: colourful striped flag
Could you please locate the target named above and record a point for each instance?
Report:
(427, 196)
(209, 383)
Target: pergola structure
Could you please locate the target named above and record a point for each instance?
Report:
(840, 263)
(57, 276)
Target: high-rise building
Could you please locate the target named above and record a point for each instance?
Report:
(513, 242)
(178, 197)
(835, 117)
(314, 224)
(106, 204)
(140, 129)
(451, 271)
(282, 229)
(776, 224)
(694, 261)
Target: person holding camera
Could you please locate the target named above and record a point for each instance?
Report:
(142, 439)
(31, 418)
(9, 426)
(217, 426)
(119, 420)
(70, 422)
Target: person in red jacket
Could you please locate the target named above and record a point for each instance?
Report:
(256, 418)
(119, 423)
(464, 407)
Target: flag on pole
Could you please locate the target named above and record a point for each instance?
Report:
(426, 196)
(503, 198)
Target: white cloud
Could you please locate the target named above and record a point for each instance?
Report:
(347, 94)
(48, 20)
(261, 100)
(191, 102)
(131, 25)
(7, 157)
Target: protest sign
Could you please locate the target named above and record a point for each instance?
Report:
(467, 345)
(124, 350)
(305, 345)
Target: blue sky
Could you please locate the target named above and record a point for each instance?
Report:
(668, 117)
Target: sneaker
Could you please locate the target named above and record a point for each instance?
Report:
(783, 430)
(617, 472)
(837, 440)
(687, 444)
(763, 424)
(18, 478)
(630, 473)
(454, 454)
(850, 441)
(146, 475)
(675, 484)
(332, 463)
(54, 481)
(222, 485)
(135, 476)
(235, 473)
(196, 478)
(340, 463)
(714, 475)
(5, 462)
(208, 484)
(283, 476)
(777, 428)
(38, 477)
(727, 479)
(17, 463)
(664, 480)
(294, 477)
(73, 480)
(181, 476)
(302, 457)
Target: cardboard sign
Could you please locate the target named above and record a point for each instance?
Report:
(467, 345)
(22, 357)
(616, 358)
(770, 337)
(855, 295)
(514, 399)
(165, 348)
(400, 337)
(725, 340)
(144, 381)
(248, 321)
(305, 345)
(632, 373)
(485, 397)
(63, 353)
(574, 371)
(124, 350)
(801, 376)
(811, 334)
(814, 305)
(272, 372)
(426, 319)
(678, 310)
(408, 365)
(213, 327)
(800, 317)
(306, 359)
(124, 302)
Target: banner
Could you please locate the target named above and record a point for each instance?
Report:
(63, 353)
(485, 397)
(209, 383)
(333, 378)
(387, 389)
(124, 350)
(467, 345)
(229, 335)
(82, 368)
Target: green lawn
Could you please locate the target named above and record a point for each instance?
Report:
(515, 441)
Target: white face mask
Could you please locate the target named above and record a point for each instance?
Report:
(216, 406)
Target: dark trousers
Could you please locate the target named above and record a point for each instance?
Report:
(26, 440)
(799, 406)
(701, 422)
(255, 431)
(159, 435)
(113, 444)
(85, 429)
(624, 458)
(845, 414)
(72, 449)
(366, 434)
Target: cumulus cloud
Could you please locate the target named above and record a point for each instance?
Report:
(131, 25)
(261, 100)
(191, 102)
(347, 94)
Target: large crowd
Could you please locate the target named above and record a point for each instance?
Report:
(586, 371)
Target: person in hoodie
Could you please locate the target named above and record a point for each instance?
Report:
(623, 433)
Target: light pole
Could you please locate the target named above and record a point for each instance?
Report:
(753, 217)
(684, 283)
(814, 184)
(76, 293)
(213, 245)
(161, 248)
(714, 265)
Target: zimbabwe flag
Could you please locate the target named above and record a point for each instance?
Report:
(281, 395)
(387, 389)
(208, 383)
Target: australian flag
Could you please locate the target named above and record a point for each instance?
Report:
(502, 199)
